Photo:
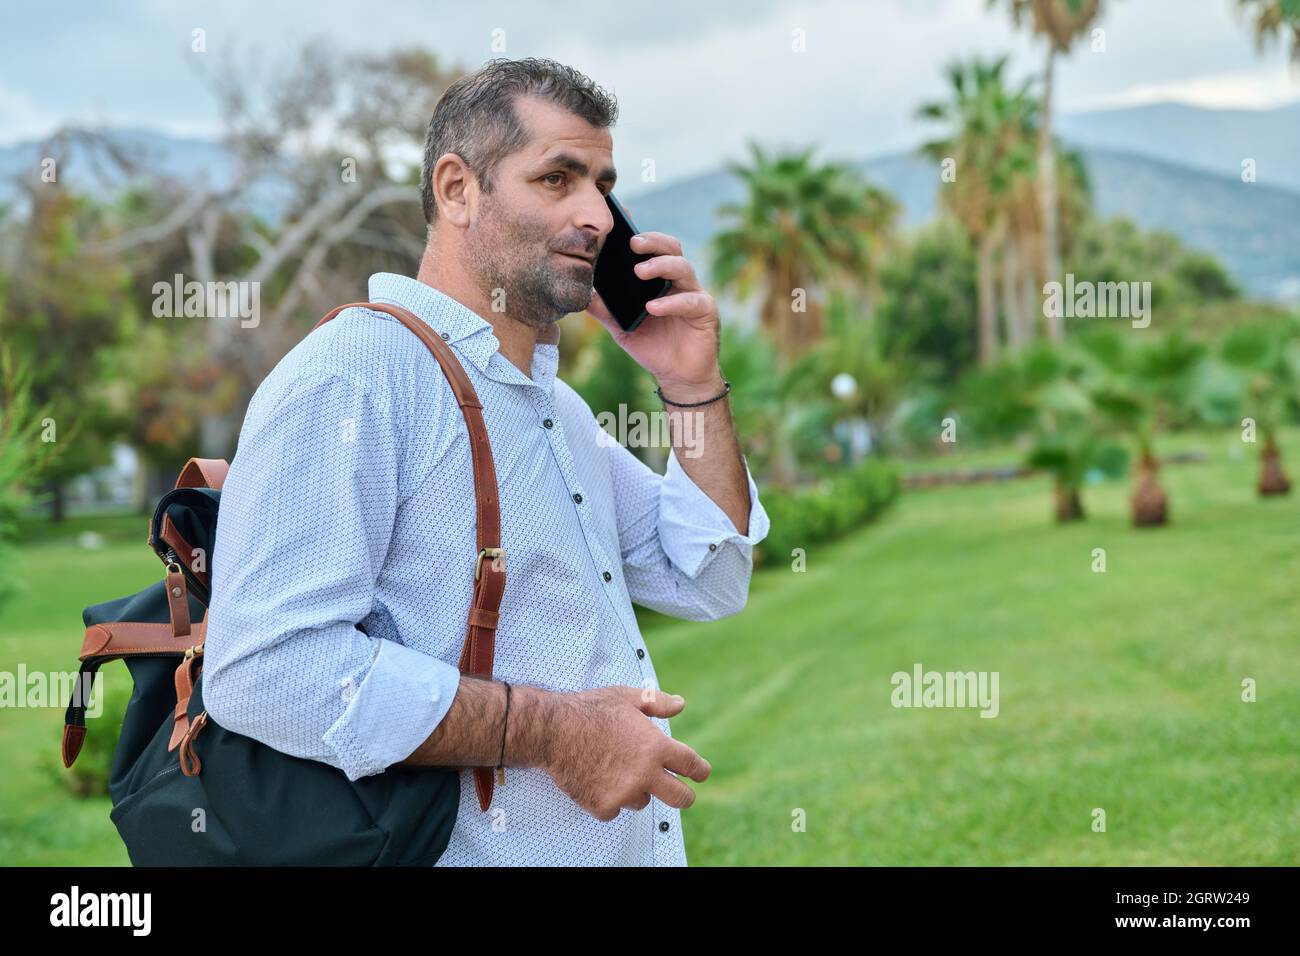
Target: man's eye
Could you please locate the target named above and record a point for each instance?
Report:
(556, 176)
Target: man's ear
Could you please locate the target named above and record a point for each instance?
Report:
(455, 189)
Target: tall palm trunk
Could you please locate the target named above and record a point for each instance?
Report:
(1150, 504)
(1047, 186)
(775, 317)
(1272, 479)
(1012, 303)
(986, 319)
(1031, 301)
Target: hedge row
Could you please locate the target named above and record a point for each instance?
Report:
(825, 511)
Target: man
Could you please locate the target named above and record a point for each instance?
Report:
(350, 501)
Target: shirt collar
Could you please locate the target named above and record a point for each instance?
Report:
(466, 330)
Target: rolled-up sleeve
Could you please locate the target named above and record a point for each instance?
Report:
(681, 554)
(307, 515)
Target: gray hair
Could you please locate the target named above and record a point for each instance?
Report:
(476, 120)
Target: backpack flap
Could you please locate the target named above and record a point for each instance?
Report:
(183, 531)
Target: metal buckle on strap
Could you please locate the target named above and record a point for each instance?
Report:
(487, 553)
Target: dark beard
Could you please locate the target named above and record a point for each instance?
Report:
(515, 255)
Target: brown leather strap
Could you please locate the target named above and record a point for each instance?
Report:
(186, 677)
(178, 602)
(128, 638)
(184, 550)
(203, 473)
(490, 582)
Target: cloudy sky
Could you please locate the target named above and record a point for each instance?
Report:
(694, 79)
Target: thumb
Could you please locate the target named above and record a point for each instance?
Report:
(656, 703)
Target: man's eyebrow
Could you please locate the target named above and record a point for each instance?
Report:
(578, 167)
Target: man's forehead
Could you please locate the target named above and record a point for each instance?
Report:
(552, 129)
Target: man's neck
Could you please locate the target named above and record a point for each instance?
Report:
(518, 340)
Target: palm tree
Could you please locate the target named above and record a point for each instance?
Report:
(1024, 242)
(804, 225)
(1274, 18)
(1141, 390)
(1266, 359)
(1043, 396)
(1060, 22)
(990, 139)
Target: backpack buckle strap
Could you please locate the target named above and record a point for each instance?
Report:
(185, 681)
(496, 554)
(189, 759)
(178, 602)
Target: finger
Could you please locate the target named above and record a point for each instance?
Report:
(638, 802)
(659, 242)
(685, 761)
(655, 703)
(690, 305)
(672, 791)
(676, 268)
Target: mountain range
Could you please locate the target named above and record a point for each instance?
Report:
(1165, 166)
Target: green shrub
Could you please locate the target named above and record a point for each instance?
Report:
(827, 510)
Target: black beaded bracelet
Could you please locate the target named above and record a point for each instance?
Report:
(707, 401)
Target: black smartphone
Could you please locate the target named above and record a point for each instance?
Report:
(623, 291)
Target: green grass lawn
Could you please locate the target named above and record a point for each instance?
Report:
(1119, 691)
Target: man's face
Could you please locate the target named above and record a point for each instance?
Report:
(537, 234)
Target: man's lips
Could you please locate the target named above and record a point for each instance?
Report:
(590, 260)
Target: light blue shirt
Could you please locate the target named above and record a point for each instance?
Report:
(350, 501)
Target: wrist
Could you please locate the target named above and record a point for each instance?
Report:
(532, 727)
(680, 390)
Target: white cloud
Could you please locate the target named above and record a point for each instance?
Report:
(695, 80)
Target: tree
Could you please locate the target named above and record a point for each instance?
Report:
(928, 285)
(990, 142)
(1266, 360)
(1042, 395)
(1141, 385)
(1275, 19)
(23, 453)
(1024, 242)
(1059, 22)
(803, 227)
(324, 139)
(1115, 250)
(61, 312)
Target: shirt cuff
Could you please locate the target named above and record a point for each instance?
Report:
(693, 529)
(402, 698)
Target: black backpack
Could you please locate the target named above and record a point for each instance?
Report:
(188, 792)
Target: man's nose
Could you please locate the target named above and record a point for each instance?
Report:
(593, 214)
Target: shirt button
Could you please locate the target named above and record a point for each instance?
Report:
(444, 335)
(713, 547)
(548, 423)
(577, 498)
(663, 826)
(606, 575)
(640, 652)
